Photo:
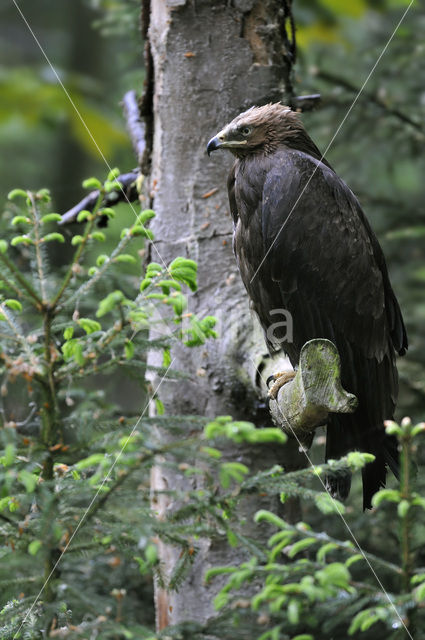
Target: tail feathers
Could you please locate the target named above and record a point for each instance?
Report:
(391, 455)
(339, 485)
(374, 474)
(340, 440)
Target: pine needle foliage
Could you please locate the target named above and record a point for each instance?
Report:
(78, 524)
(310, 585)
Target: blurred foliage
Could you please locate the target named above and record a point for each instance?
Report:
(119, 17)
(41, 131)
(330, 21)
(31, 101)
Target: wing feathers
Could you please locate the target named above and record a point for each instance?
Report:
(320, 260)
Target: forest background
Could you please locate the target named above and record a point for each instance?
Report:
(96, 48)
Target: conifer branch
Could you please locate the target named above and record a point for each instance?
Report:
(41, 270)
(77, 256)
(19, 335)
(13, 269)
(335, 79)
(12, 285)
(86, 286)
(127, 193)
(406, 518)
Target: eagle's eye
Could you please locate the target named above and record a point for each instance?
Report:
(245, 131)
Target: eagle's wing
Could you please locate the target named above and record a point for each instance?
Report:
(231, 194)
(332, 277)
(319, 242)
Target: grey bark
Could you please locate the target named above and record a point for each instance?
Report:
(212, 59)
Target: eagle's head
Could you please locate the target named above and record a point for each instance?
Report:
(259, 130)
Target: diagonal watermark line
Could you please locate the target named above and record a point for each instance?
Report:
(334, 136)
(74, 106)
(338, 510)
(93, 500)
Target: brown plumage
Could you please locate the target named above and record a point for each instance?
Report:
(303, 244)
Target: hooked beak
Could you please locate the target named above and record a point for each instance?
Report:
(214, 143)
(221, 141)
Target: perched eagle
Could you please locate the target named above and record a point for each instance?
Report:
(303, 244)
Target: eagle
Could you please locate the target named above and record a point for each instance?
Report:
(304, 245)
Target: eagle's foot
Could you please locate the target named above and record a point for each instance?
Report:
(279, 380)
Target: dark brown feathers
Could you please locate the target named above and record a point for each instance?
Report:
(303, 244)
(273, 126)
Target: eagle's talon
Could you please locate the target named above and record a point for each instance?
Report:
(280, 379)
(270, 379)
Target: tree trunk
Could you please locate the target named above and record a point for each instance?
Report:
(211, 60)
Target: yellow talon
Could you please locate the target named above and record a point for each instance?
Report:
(280, 379)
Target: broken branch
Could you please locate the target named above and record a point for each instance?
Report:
(303, 404)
